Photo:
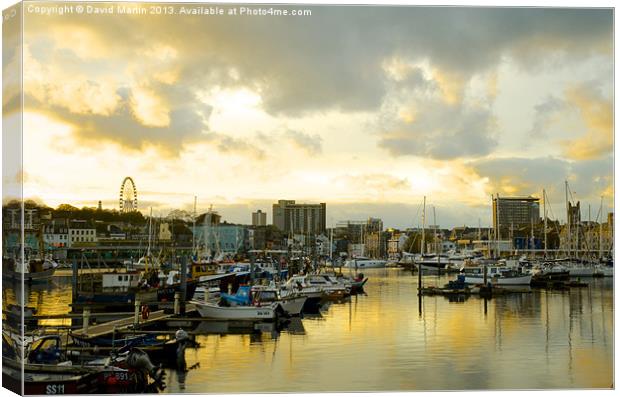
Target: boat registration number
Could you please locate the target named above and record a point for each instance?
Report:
(55, 389)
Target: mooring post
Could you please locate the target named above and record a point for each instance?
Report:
(74, 281)
(177, 303)
(85, 320)
(136, 313)
(420, 279)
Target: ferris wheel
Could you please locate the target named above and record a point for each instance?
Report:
(128, 198)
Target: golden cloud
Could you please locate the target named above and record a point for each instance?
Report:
(596, 113)
(148, 108)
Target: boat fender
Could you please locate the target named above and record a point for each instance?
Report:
(145, 312)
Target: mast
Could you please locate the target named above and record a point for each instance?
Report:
(600, 232)
(568, 220)
(148, 249)
(545, 215)
(423, 225)
(532, 229)
(497, 230)
(194, 229)
(435, 234)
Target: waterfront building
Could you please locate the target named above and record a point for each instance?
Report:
(511, 212)
(259, 218)
(56, 234)
(81, 232)
(376, 244)
(292, 217)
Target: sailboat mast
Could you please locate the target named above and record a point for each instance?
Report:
(194, 229)
(148, 249)
(545, 215)
(423, 225)
(600, 233)
(568, 220)
(435, 233)
(497, 230)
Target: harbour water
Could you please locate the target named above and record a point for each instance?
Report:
(379, 341)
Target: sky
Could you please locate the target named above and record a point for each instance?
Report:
(368, 109)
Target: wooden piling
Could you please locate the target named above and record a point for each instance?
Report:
(177, 306)
(136, 312)
(85, 320)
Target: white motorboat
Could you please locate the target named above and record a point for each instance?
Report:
(364, 263)
(497, 275)
(247, 313)
(291, 303)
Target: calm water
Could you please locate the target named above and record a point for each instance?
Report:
(379, 341)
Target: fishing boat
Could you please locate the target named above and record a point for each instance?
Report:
(34, 271)
(497, 275)
(248, 313)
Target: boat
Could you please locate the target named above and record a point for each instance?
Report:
(49, 369)
(332, 288)
(496, 275)
(364, 263)
(297, 285)
(214, 311)
(604, 270)
(357, 283)
(35, 271)
(261, 296)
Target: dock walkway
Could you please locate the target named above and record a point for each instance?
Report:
(126, 323)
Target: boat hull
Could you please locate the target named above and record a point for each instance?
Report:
(519, 280)
(365, 264)
(251, 313)
(29, 278)
(293, 306)
(581, 271)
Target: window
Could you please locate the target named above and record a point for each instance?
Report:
(120, 278)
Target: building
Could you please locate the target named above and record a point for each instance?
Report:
(259, 218)
(573, 213)
(222, 238)
(81, 232)
(165, 233)
(257, 237)
(512, 212)
(377, 244)
(299, 218)
(56, 234)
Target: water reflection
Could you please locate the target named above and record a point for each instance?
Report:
(382, 341)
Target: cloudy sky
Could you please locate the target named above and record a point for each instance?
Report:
(365, 108)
